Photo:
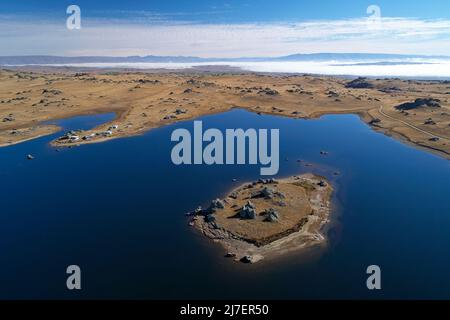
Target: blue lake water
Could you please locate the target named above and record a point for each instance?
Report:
(116, 209)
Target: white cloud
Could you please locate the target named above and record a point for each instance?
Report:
(119, 38)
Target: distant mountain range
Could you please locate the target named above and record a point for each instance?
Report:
(46, 60)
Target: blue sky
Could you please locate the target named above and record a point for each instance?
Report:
(239, 10)
(225, 28)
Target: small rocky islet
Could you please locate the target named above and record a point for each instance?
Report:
(267, 217)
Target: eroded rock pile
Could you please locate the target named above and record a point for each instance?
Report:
(215, 205)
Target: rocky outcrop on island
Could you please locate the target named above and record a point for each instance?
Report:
(267, 217)
(75, 136)
(32, 97)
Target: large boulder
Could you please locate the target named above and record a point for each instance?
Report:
(234, 195)
(267, 193)
(215, 205)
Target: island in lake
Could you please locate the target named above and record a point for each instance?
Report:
(268, 217)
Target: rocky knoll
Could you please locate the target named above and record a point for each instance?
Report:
(267, 217)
